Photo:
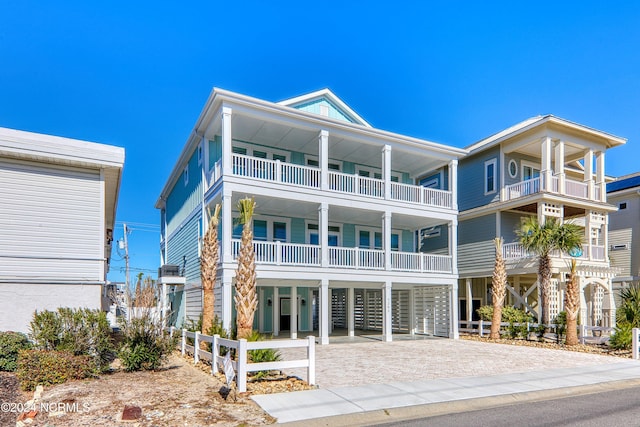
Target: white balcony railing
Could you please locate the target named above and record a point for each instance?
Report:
(420, 262)
(572, 188)
(366, 259)
(292, 254)
(515, 251)
(305, 176)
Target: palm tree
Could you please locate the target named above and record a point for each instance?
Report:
(498, 290)
(208, 268)
(542, 239)
(572, 305)
(246, 297)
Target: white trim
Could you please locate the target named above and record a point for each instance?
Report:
(493, 162)
(528, 164)
(200, 154)
(515, 163)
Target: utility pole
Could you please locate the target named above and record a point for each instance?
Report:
(126, 256)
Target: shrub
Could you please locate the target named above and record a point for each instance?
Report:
(10, 344)
(561, 325)
(622, 336)
(509, 314)
(261, 355)
(48, 367)
(78, 331)
(144, 344)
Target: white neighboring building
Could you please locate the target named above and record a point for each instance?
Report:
(58, 200)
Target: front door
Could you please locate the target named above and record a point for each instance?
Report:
(285, 314)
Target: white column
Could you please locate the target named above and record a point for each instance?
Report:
(453, 244)
(454, 333)
(325, 303)
(351, 302)
(469, 300)
(588, 172)
(605, 239)
(559, 166)
(276, 311)
(227, 227)
(545, 173)
(323, 159)
(386, 239)
(226, 141)
(262, 309)
(453, 183)
(323, 233)
(386, 311)
(600, 176)
(386, 170)
(164, 304)
(294, 313)
(587, 232)
(227, 299)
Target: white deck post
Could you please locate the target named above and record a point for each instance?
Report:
(386, 170)
(227, 227)
(324, 311)
(196, 345)
(453, 183)
(351, 300)
(559, 166)
(453, 244)
(184, 342)
(600, 178)
(215, 351)
(469, 290)
(386, 312)
(545, 173)
(386, 239)
(454, 311)
(294, 313)
(241, 374)
(323, 233)
(311, 355)
(323, 159)
(634, 343)
(588, 172)
(227, 168)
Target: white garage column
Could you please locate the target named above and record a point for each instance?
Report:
(454, 333)
(325, 303)
(294, 313)
(227, 300)
(276, 311)
(351, 302)
(386, 311)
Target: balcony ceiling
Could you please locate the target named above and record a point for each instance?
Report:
(276, 207)
(285, 136)
(534, 149)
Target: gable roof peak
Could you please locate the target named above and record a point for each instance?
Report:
(331, 97)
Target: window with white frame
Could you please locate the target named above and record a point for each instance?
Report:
(313, 236)
(371, 238)
(260, 151)
(185, 175)
(199, 154)
(265, 229)
(370, 172)
(490, 176)
(311, 160)
(530, 170)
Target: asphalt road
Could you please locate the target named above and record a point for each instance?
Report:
(611, 408)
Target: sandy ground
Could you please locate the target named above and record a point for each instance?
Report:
(177, 395)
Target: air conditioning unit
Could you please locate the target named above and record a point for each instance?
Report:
(169, 270)
(620, 247)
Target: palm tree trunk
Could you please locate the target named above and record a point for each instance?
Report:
(498, 289)
(572, 305)
(246, 298)
(544, 273)
(209, 258)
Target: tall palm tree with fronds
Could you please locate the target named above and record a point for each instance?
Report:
(543, 239)
(209, 257)
(246, 297)
(572, 304)
(498, 290)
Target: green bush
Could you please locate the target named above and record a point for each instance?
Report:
(561, 325)
(145, 346)
(261, 355)
(622, 337)
(77, 331)
(10, 344)
(511, 315)
(48, 367)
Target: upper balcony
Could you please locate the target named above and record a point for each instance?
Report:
(558, 185)
(515, 251)
(311, 177)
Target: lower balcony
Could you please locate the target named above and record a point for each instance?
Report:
(305, 255)
(515, 251)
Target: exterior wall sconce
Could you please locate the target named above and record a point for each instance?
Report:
(303, 302)
(269, 302)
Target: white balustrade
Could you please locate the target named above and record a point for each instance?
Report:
(514, 251)
(576, 189)
(523, 188)
(275, 170)
(597, 253)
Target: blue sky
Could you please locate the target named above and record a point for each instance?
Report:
(136, 74)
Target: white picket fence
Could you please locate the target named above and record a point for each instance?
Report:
(241, 365)
(586, 335)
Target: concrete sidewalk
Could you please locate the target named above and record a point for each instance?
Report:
(358, 401)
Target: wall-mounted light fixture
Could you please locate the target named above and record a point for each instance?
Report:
(303, 301)
(269, 302)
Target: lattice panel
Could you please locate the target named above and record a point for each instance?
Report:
(552, 210)
(554, 299)
(598, 299)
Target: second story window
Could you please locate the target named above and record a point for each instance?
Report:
(185, 175)
(490, 174)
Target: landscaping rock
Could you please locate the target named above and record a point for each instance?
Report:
(131, 413)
